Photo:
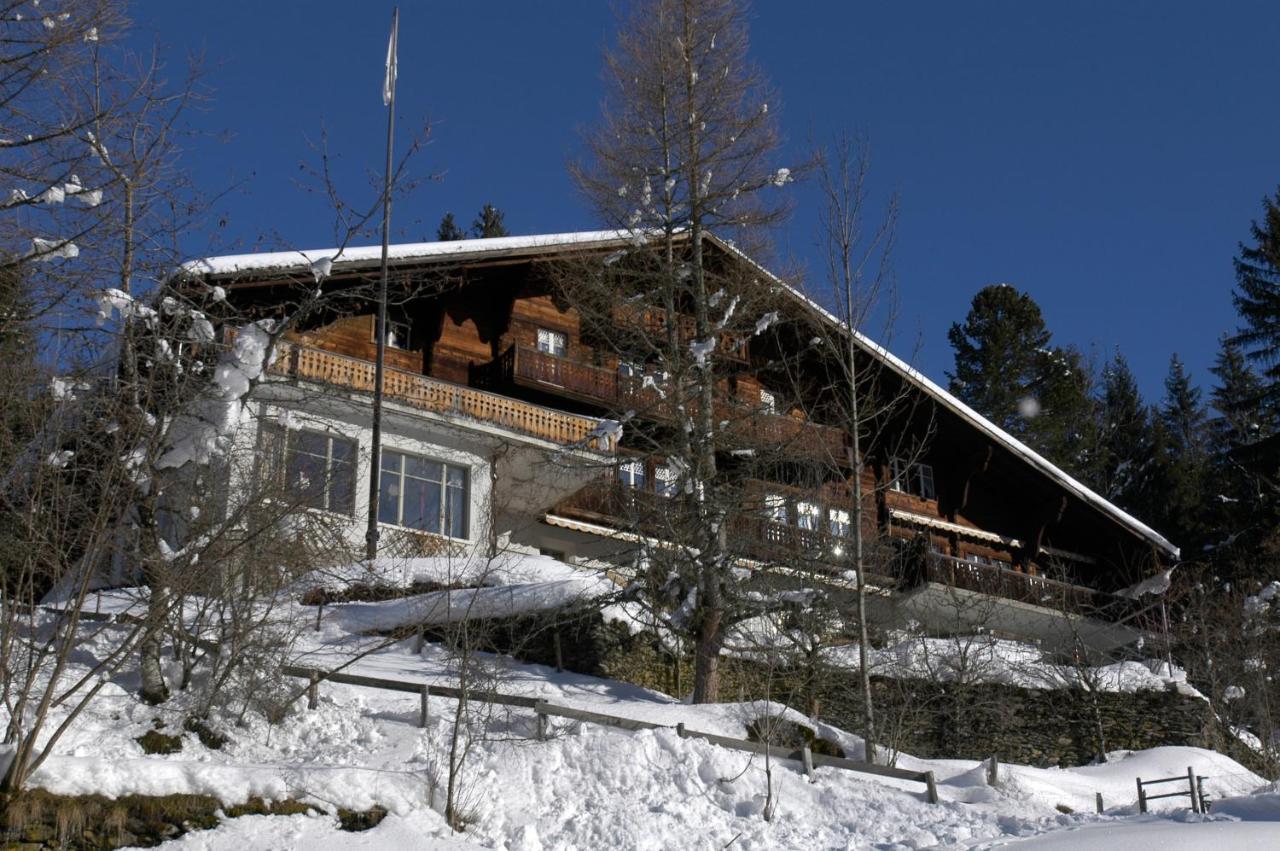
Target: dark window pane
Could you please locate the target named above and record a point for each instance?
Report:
(456, 512)
(457, 477)
(390, 461)
(305, 476)
(311, 443)
(342, 488)
(389, 499)
(344, 450)
(421, 468)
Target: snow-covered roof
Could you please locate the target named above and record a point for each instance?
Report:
(976, 419)
(354, 257)
(364, 255)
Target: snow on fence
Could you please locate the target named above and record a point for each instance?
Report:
(1194, 790)
(543, 711)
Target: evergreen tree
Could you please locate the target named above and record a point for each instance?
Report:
(1240, 416)
(1127, 451)
(1065, 426)
(999, 355)
(448, 230)
(489, 223)
(1181, 461)
(1257, 295)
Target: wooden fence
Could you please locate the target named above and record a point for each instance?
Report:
(544, 710)
(1194, 790)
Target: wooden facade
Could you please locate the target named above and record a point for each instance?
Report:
(475, 344)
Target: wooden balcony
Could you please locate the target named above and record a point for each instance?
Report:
(440, 397)
(1004, 583)
(653, 322)
(525, 366)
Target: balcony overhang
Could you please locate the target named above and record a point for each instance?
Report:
(945, 608)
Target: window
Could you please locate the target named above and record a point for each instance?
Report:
(775, 507)
(666, 481)
(317, 467)
(808, 515)
(397, 334)
(838, 523)
(916, 479)
(422, 494)
(768, 402)
(628, 369)
(552, 342)
(631, 474)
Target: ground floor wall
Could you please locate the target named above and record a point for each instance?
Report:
(1062, 727)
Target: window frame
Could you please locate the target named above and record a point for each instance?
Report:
(444, 529)
(282, 445)
(552, 335)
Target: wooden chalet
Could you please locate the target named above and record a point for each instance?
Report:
(493, 376)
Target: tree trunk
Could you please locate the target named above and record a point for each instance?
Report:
(154, 689)
(706, 658)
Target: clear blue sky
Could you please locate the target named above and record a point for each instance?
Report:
(1104, 156)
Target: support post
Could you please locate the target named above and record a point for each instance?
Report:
(313, 691)
(1142, 797)
(1191, 789)
(931, 787)
(319, 612)
(993, 770)
(680, 731)
(1200, 793)
(1097, 801)
(806, 755)
(559, 654)
(423, 714)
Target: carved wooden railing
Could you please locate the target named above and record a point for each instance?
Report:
(528, 365)
(441, 397)
(653, 321)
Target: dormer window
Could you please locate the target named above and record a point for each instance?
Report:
(554, 343)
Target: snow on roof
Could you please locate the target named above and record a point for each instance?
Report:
(976, 419)
(285, 261)
(353, 256)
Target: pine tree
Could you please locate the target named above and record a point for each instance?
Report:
(1181, 461)
(1257, 295)
(1127, 450)
(998, 356)
(448, 230)
(1065, 427)
(1241, 418)
(488, 223)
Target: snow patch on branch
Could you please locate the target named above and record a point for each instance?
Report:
(205, 428)
(763, 323)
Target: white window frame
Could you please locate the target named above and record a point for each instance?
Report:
(839, 523)
(286, 443)
(632, 474)
(553, 342)
(775, 508)
(446, 467)
(808, 515)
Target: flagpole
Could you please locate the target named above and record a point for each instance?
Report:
(380, 326)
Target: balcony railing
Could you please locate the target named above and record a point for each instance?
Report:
(995, 581)
(528, 367)
(440, 397)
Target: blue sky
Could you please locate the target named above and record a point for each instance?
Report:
(1106, 157)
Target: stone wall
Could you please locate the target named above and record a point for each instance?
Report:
(921, 717)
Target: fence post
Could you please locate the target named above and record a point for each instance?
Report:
(806, 755)
(1097, 800)
(1200, 793)
(418, 640)
(559, 655)
(931, 787)
(313, 691)
(542, 727)
(1142, 797)
(422, 714)
(993, 770)
(680, 730)
(1191, 790)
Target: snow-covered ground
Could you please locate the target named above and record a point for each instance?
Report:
(595, 787)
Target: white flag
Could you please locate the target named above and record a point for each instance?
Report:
(389, 82)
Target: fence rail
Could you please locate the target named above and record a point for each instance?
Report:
(544, 710)
(1194, 790)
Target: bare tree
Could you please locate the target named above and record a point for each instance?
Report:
(685, 147)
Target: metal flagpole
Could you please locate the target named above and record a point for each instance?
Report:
(380, 327)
